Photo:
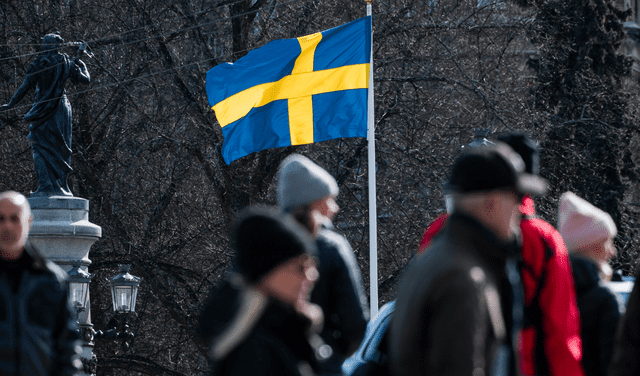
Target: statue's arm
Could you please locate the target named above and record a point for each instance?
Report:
(21, 92)
(82, 73)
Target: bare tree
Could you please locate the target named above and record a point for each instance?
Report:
(147, 147)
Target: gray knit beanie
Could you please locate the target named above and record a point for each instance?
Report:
(301, 182)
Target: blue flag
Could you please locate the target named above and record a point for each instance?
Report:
(294, 91)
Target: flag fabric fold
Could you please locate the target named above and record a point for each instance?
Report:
(294, 91)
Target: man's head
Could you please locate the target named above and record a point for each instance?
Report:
(275, 253)
(15, 222)
(586, 229)
(488, 183)
(306, 190)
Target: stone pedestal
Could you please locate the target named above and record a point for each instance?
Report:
(61, 231)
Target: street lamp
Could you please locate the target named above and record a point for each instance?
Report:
(79, 281)
(124, 290)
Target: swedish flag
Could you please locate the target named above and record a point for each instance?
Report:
(294, 91)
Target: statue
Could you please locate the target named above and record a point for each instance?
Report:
(50, 116)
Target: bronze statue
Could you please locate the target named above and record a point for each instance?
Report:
(50, 116)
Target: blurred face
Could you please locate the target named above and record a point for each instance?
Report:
(503, 213)
(601, 251)
(326, 206)
(14, 229)
(315, 221)
(610, 250)
(292, 281)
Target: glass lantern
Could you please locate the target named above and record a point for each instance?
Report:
(79, 281)
(124, 290)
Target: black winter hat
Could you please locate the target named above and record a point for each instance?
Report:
(264, 238)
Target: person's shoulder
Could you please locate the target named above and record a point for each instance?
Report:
(443, 268)
(45, 266)
(56, 272)
(331, 241)
(252, 356)
(612, 298)
(544, 230)
(331, 236)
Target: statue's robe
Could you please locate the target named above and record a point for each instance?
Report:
(50, 118)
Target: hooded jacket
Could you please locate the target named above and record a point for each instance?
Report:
(551, 343)
(38, 334)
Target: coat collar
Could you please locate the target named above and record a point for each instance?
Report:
(489, 247)
(38, 261)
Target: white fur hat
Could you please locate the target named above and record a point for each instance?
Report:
(581, 223)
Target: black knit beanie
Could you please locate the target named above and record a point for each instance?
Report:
(264, 238)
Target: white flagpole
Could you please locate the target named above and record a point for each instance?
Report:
(373, 227)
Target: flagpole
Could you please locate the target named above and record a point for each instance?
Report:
(373, 227)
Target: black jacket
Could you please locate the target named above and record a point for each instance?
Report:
(339, 293)
(38, 334)
(454, 307)
(249, 334)
(599, 315)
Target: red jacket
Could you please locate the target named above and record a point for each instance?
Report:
(545, 261)
(431, 231)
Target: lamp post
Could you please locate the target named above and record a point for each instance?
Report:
(124, 293)
(79, 281)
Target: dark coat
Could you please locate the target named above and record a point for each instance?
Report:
(38, 334)
(626, 351)
(339, 293)
(454, 306)
(249, 334)
(599, 315)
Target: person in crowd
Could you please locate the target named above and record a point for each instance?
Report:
(38, 332)
(459, 307)
(625, 359)
(273, 329)
(550, 340)
(308, 192)
(588, 233)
